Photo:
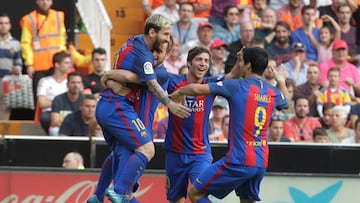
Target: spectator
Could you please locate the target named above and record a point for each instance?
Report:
(10, 56)
(280, 48)
(225, 129)
(162, 128)
(51, 86)
(219, 109)
(337, 131)
(43, 34)
(354, 114)
(218, 54)
(67, 102)
(217, 11)
(291, 13)
(266, 30)
(204, 38)
(349, 74)
(185, 29)
(92, 82)
(325, 120)
(328, 34)
(76, 123)
(201, 8)
(246, 35)
(174, 61)
(276, 130)
(356, 138)
(311, 88)
(229, 32)
(73, 160)
(150, 5)
(320, 135)
(348, 32)
(302, 33)
(331, 10)
(333, 93)
(296, 68)
(169, 9)
(254, 13)
(300, 127)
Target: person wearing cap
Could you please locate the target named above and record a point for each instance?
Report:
(218, 53)
(302, 34)
(218, 110)
(229, 32)
(295, 68)
(349, 74)
(185, 29)
(204, 38)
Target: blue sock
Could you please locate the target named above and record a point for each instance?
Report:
(105, 177)
(204, 200)
(134, 166)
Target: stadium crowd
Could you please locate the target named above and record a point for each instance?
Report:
(314, 44)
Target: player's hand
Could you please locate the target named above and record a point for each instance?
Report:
(177, 97)
(117, 87)
(179, 109)
(30, 71)
(104, 78)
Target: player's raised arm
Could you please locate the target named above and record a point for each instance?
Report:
(191, 90)
(236, 71)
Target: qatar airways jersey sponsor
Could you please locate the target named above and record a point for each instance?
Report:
(190, 135)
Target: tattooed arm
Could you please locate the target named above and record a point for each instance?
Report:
(175, 108)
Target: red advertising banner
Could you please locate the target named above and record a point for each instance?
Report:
(67, 187)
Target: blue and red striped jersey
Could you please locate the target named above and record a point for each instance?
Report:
(134, 56)
(190, 135)
(251, 104)
(147, 102)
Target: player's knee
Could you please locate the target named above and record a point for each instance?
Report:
(194, 194)
(148, 150)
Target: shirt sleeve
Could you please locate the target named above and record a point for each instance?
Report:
(26, 49)
(225, 88)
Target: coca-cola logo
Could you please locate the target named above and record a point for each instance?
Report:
(78, 193)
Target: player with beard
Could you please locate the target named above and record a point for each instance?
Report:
(187, 145)
(252, 101)
(280, 48)
(116, 115)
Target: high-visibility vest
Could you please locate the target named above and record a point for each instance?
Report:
(46, 37)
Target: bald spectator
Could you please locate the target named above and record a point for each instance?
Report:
(268, 22)
(247, 33)
(73, 160)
